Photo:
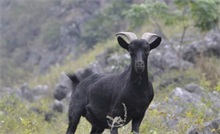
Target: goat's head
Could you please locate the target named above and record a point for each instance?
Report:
(138, 48)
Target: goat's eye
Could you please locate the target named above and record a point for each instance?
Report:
(146, 50)
(131, 52)
(130, 48)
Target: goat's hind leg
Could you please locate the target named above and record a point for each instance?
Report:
(96, 130)
(75, 112)
(73, 122)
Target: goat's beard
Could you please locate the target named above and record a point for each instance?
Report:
(139, 70)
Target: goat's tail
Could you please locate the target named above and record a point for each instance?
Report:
(74, 80)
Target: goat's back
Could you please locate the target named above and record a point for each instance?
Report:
(85, 83)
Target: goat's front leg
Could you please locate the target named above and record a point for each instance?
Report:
(114, 130)
(136, 123)
(96, 130)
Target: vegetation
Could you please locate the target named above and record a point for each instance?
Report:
(25, 26)
(21, 32)
(201, 14)
(105, 23)
(17, 118)
(32, 29)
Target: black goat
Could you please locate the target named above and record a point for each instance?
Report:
(102, 99)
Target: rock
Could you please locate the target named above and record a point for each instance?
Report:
(8, 91)
(184, 98)
(63, 87)
(49, 116)
(194, 88)
(26, 93)
(34, 94)
(171, 122)
(166, 59)
(58, 106)
(110, 61)
(213, 127)
(41, 90)
(169, 81)
(191, 94)
(215, 99)
(61, 92)
(45, 53)
(210, 47)
(117, 62)
(195, 131)
(212, 43)
(216, 124)
(191, 51)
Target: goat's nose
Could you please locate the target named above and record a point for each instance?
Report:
(140, 64)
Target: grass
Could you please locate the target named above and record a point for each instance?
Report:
(17, 118)
(209, 71)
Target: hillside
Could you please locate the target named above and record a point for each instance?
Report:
(38, 34)
(42, 41)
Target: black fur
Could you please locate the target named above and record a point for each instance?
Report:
(99, 96)
(73, 78)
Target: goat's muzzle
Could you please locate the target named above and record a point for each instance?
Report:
(139, 67)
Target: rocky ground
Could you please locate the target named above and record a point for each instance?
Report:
(179, 100)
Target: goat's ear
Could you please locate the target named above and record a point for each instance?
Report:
(155, 43)
(122, 43)
(153, 40)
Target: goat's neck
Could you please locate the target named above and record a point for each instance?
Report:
(139, 79)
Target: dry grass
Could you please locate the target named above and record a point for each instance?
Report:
(209, 68)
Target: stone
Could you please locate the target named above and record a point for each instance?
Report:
(212, 43)
(166, 59)
(63, 87)
(212, 127)
(60, 92)
(186, 97)
(26, 93)
(58, 106)
(208, 47)
(49, 116)
(191, 51)
(195, 131)
(194, 88)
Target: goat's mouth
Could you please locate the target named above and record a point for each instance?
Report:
(139, 69)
